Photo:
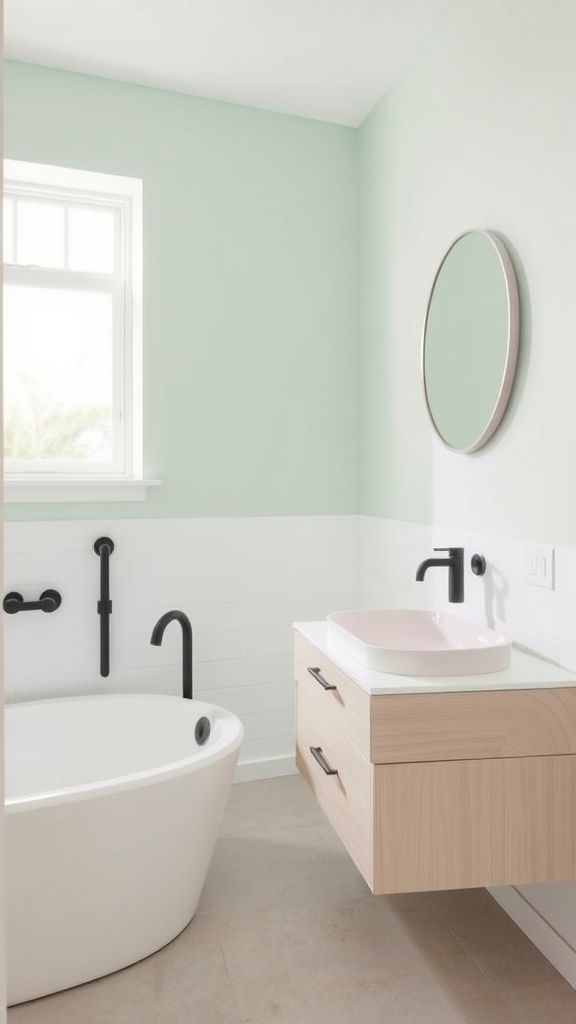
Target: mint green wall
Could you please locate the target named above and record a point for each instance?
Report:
(395, 477)
(250, 320)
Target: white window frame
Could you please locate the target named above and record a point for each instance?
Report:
(79, 481)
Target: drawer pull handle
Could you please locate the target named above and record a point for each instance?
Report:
(319, 756)
(320, 679)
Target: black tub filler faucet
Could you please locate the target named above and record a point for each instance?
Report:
(156, 639)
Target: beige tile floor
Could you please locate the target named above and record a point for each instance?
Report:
(288, 933)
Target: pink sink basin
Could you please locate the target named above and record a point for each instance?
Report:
(414, 642)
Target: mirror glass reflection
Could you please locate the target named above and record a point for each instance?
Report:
(470, 340)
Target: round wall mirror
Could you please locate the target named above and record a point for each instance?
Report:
(470, 340)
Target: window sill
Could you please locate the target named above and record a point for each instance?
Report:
(47, 489)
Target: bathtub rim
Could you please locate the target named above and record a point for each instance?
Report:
(200, 758)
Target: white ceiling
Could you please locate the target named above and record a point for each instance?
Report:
(326, 59)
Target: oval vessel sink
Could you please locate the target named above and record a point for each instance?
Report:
(415, 642)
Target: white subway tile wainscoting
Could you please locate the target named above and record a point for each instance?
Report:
(241, 581)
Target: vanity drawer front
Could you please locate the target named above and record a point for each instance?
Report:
(465, 824)
(347, 706)
(345, 797)
(479, 724)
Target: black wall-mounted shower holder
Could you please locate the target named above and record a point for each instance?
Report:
(104, 548)
(48, 601)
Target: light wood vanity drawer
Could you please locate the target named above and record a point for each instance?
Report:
(345, 797)
(346, 706)
(475, 724)
(409, 727)
(463, 824)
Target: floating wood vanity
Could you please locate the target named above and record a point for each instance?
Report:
(441, 782)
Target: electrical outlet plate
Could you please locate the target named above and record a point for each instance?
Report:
(539, 565)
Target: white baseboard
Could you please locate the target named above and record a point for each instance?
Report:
(270, 768)
(559, 952)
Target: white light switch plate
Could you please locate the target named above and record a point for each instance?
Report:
(539, 565)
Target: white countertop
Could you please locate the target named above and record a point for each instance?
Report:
(525, 672)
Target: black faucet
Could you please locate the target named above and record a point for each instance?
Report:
(455, 565)
(156, 639)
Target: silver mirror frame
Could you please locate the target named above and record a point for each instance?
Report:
(513, 308)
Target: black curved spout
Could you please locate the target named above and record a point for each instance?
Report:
(455, 565)
(156, 639)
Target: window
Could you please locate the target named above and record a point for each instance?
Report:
(72, 332)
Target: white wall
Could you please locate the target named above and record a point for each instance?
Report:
(516, 171)
(242, 581)
(477, 133)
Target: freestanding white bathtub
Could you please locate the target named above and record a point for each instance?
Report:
(112, 809)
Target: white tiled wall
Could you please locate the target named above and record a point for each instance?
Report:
(243, 582)
(543, 621)
(388, 552)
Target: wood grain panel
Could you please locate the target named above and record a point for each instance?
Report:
(477, 724)
(345, 798)
(461, 824)
(347, 707)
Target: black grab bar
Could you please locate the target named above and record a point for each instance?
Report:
(104, 548)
